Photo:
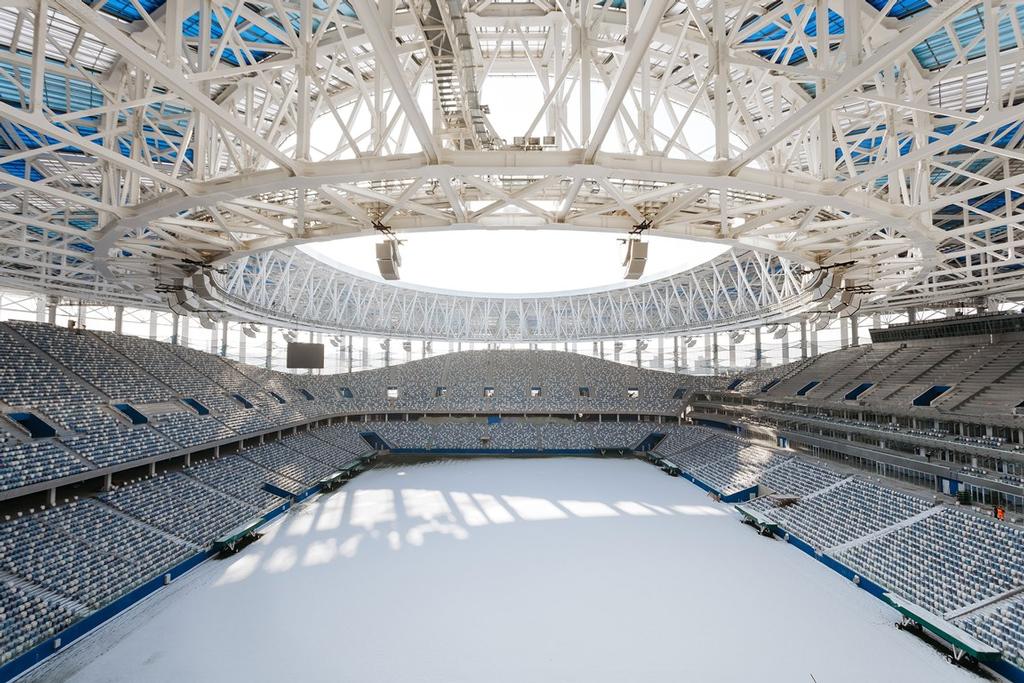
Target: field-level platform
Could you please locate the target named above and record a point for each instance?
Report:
(571, 569)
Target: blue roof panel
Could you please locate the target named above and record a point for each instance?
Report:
(791, 52)
(58, 91)
(938, 50)
(124, 9)
(902, 9)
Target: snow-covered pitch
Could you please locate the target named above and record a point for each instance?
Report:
(494, 570)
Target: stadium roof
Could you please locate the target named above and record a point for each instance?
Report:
(161, 153)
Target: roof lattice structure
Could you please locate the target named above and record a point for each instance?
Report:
(143, 143)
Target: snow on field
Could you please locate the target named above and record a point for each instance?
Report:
(495, 570)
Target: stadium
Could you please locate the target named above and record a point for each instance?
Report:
(511, 340)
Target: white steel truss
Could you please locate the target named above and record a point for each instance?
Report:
(143, 141)
(284, 286)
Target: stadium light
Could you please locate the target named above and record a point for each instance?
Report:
(389, 260)
(636, 258)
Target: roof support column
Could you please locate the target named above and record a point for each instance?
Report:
(39, 31)
(758, 349)
(721, 81)
(826, 153)
(268, 358)
(583, 50)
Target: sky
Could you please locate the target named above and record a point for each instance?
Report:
(516, 261)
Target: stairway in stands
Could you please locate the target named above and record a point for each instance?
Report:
(1000, 384)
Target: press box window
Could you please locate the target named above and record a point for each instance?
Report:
(392, 392)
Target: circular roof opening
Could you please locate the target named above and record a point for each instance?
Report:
(515, 261)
